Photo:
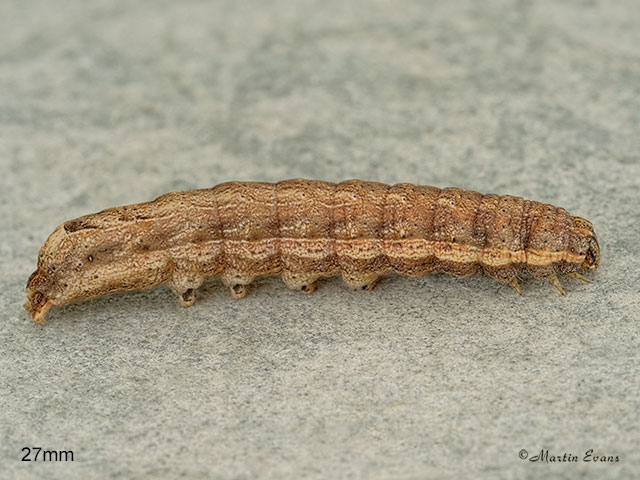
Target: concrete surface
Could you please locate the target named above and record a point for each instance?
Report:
(115, 102)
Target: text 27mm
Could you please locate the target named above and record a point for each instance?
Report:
(36, 454)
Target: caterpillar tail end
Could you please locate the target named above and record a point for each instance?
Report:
(38, 306)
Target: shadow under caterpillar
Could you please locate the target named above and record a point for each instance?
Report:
(304, 230)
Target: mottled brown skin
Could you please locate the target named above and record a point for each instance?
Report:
(304, 230)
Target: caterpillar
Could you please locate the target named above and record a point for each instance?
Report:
(303, 230)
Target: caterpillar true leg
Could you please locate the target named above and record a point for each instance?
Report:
(515, 285)
(577, 276)
(556, 283)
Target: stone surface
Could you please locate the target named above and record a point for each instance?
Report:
(114, 102)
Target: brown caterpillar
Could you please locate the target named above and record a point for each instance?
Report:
(304, 230)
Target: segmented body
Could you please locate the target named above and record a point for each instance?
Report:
(304, 230)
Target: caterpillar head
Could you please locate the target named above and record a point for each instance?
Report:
(592, 255)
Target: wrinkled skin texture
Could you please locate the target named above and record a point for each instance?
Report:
(304, 230)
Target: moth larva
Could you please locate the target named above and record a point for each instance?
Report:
(304, 230)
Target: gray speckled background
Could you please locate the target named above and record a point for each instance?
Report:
(114, 102)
